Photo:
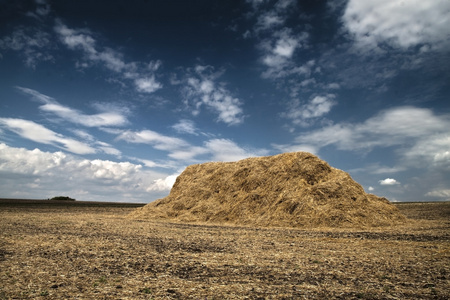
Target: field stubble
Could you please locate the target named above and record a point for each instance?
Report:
(78, 252)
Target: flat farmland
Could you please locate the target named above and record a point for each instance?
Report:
(81, 251)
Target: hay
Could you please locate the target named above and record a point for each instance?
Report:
(287, 190)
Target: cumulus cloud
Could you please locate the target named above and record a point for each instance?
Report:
(163, 184)
(35, 173)
(389, 181)
(50, 105)
(398, 23)
(38, 133)
(202, 88)
(142, 75)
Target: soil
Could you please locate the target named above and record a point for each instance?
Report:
(95, 252)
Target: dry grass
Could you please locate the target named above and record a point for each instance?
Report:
(81, 252)
(288, 190)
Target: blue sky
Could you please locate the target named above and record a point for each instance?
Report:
(111, 100)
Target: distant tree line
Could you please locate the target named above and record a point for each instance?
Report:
(62, 198)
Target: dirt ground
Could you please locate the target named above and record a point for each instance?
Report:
(95, 252)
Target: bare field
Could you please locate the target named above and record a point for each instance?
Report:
(95, 252)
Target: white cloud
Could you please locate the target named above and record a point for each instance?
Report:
(158, 141)
(142, 74)
(433, 149)
(443, 194)
(393, 127)
(296, 148)
(108, 149)
(107, 118)
(285, 46)
(186, 126)
(399, 23)
(227, 150)
(333, 86)
(278, 42)
(301, 114)
(38, 133)
(202, 89)
(188, 153)
(273, 18)
(418, 137)
(376, 169)
(389, 181)
(269, 20)
(147, 85)
(371, 189)
(74, 116)
(278, 51)
(163, 184)
(34, 174)
(180, 150)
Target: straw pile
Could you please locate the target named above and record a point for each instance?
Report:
(287, 190)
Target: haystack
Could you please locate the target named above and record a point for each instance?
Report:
(287, 190)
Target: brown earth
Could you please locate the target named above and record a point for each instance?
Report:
(95, 252)
(286, 190)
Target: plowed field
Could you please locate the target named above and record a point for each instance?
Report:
(68, 251)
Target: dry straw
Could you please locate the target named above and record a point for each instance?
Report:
(287, 190)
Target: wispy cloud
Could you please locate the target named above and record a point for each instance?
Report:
(142, 75)
(227, 150)
(38, 133)
(277, 41)
(278, 51)
(157, 140)
(202, 88)
(50, 105)
(41, 11)
(186, 126)
(441, 194)
(303, 114)
(185, 152)
(147, 84)
(421, 137)
(176, 148)
(33, 44)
